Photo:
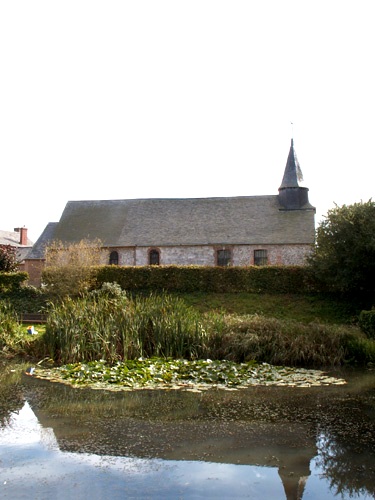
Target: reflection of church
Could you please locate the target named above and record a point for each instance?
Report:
(283, 446)
(280, 446)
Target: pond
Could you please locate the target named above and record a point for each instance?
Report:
(257, 442)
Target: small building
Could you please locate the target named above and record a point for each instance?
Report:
(276, 229)
(19, 240)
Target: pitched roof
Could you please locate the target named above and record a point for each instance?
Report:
(186, 221)
(12, 238)
(37, 252)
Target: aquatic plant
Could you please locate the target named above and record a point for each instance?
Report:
(183, 374)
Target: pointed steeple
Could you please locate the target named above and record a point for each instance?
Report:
(293, 174)
(292, 194)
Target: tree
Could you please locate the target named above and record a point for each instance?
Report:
(8, 259)
(68, 267)
(344, 255)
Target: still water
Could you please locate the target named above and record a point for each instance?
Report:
(259, 443)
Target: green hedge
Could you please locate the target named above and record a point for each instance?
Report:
(367, 322)
(12, 281)
(253, 279)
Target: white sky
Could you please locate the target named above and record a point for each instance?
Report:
(168, 98)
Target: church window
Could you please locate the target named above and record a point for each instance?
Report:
(260, 257)
(154, 257)
(113, 258)
(224, 257)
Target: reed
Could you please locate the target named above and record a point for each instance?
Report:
(113, 326)
(101, 326)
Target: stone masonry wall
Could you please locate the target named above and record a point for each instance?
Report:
(242, 255)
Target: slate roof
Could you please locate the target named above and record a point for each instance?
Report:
(37, 252)
(292, 174)
(12, 238)
(252, 220)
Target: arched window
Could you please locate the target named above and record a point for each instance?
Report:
(113, 258)
(154, 257)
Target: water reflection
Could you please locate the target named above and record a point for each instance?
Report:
(255, 443)
(30, 450)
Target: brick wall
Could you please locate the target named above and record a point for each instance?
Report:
(34, 268)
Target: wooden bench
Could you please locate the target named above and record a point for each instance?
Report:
(33, 319)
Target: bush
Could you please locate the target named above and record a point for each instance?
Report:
(12, 281)
(281, 342)
(359, 350)
(68, 267)
(8, 258)
(188, 279)
(10, 330)
(367, 323)
(344, 256)
(26, 299)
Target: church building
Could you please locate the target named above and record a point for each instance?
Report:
(275, 229)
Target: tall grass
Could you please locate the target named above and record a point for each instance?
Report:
(292, 343)
(113, 326)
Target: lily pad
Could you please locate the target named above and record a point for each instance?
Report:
(156, 373)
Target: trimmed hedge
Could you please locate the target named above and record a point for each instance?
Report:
(367, 323)
(12, 281)
(252, 279)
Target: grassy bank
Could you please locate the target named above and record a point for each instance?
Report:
(114, 326)
(301, 308)
(277, 329)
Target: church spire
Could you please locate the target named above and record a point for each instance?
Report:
(293, 174)
(292, 195)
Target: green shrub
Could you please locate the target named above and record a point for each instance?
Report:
(26, 299)
(359, 349)
(367, 322)
(188, 279)
(68, 267)
(12, 281)
(286, 342)
(10, 330)
(351, 273)
(8, 258)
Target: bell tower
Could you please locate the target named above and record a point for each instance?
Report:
(292, 194)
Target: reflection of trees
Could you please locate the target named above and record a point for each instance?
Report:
(348, 473)
(11, 392)
(347, 450)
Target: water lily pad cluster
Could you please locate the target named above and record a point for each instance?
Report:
(182, 374)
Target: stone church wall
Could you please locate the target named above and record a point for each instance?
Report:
(242, 255)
